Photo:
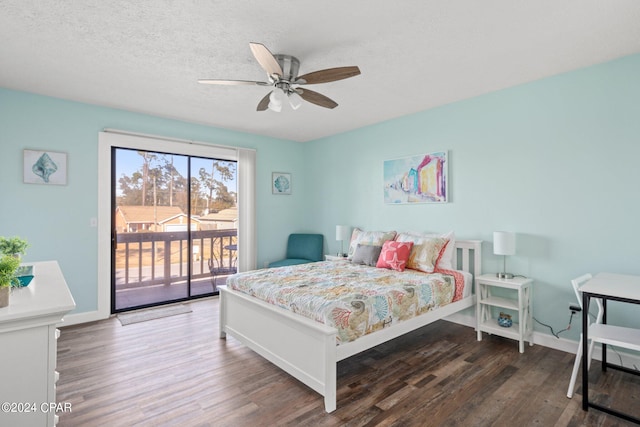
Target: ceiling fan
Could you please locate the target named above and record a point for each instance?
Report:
(282, 74)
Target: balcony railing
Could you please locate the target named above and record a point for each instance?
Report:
(154, 258)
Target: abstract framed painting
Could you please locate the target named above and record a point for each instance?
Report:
(281, 183)
(417, 179)
(44, 167)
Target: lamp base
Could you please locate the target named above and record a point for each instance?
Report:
(504, 275)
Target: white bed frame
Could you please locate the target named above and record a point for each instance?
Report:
(307, 349)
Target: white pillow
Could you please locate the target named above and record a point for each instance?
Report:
(446, 260)
(374, 238)
(425, 251)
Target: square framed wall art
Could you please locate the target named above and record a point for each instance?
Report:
(44, 167)
(280, 183)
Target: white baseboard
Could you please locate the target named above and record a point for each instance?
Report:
(629, 360)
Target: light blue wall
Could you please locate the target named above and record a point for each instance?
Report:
(556, 161)
(55, 219)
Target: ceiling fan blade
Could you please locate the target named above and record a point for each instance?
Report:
(316, 98)
(231, 82)
(264, 103)
(328, 75)
(266, 59)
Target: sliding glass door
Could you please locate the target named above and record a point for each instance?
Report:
(214, 206)
(174, 226)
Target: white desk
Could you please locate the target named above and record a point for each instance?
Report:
(607, 286)
(614, 285)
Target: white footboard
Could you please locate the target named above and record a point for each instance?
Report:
(303, 348)
(307, 349)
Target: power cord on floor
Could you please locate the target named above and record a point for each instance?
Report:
(574, 310)
(620, 357)
(554, 333)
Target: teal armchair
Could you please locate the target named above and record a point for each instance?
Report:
(301, 249)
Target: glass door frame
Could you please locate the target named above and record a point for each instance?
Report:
(108, 139)
(157, 284)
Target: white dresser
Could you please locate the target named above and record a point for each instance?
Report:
(28, 348)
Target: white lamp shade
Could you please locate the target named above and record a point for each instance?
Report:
(295, 100)
(504, 243)
(342, 232)
(275, 100)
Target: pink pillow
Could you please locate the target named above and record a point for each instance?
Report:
(394, 255)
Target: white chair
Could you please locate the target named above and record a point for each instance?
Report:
(576, 283)
(604, 334)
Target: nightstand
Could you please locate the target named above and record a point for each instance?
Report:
(515, 298)
(335, 258)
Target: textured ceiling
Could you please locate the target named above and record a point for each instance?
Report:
(146, 56)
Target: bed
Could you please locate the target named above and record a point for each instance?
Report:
(309, 350)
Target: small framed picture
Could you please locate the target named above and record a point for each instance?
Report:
(281, 183)
(45, 167)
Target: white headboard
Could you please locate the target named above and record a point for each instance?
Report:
(468, 256)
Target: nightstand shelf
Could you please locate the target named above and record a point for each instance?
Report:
(491, 326)
(518, 299)
(501, 302)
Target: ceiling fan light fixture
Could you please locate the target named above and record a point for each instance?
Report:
(275, 107)
(275, 100)
(282, 73)
(294, 100)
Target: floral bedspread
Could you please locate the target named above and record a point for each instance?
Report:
(354, 299)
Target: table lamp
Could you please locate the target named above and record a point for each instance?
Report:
(342, 234)
(504, 243)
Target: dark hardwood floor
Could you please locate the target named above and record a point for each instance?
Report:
(174, 371)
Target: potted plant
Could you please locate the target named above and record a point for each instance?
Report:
(8, 266)
(15, 246)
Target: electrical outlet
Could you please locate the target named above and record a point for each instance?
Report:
(574, 307)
